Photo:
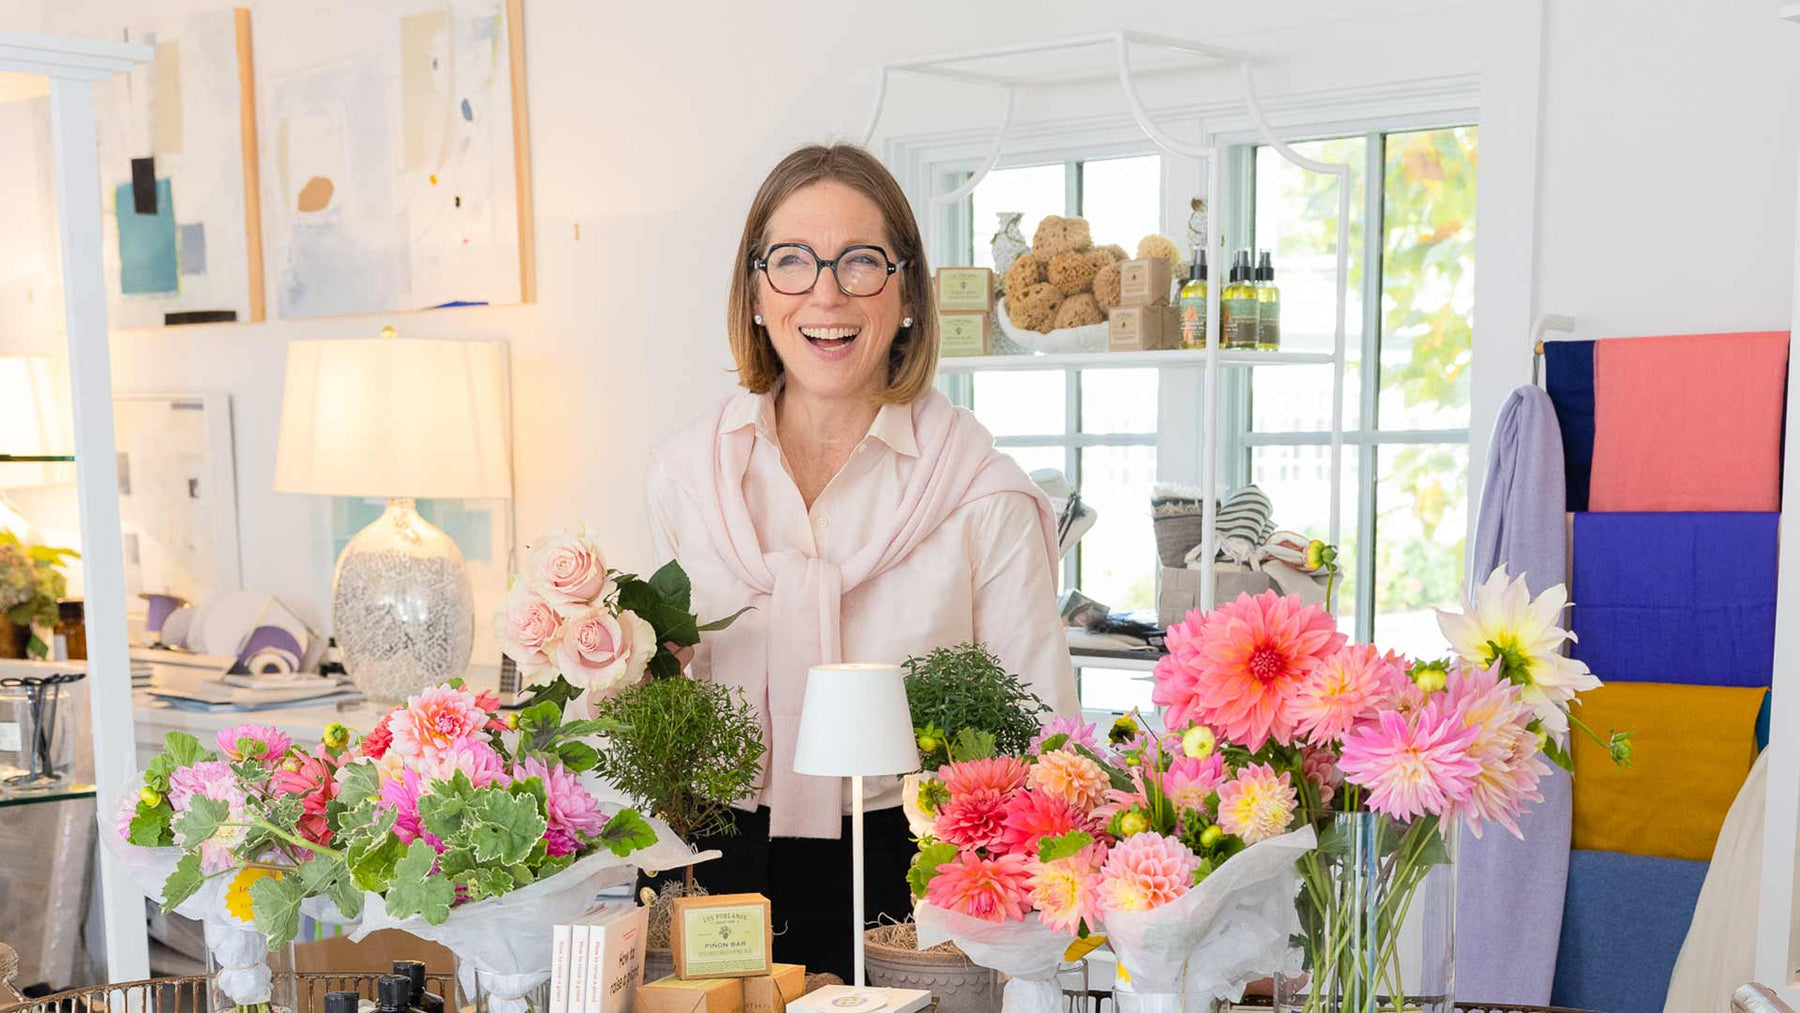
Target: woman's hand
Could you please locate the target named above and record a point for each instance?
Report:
(684, 655)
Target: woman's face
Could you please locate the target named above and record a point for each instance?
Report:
(831, 345)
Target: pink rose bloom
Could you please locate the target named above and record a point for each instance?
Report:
(433, 721)
(567, 570)
(263, 742)
(473, 757)
(605, 652)
(572, 813)
(527, 627)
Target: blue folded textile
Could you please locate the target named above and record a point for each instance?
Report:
(1569, 380)
(1676, 597)
(1762, 721)
(1623, 924)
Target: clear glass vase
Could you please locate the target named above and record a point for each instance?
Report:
(1377, 909)
(242, 974)
(482, 991)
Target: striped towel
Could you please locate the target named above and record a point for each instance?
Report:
(1245, 522)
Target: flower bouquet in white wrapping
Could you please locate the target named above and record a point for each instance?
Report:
(1029, 862)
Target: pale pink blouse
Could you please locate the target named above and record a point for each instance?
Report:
(984, 573)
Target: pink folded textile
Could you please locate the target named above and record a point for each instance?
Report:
(1689, 423)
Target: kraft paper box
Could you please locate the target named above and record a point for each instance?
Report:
(772, 992)
(723, 936)
(965, 289)
(1142, 328)
(1144, 282)
(962, 334)
(706, 995)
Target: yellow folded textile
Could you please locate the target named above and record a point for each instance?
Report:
(1692, 747)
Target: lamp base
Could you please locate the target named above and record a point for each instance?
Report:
(402, 607)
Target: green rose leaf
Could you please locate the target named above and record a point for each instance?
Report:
(672, 584)
(183, 882)
(275, 907)
(1065, 846)
(925, 865)
(718, 624)
(416, 891)
(626, 832)
(559, 692)
(508, 827)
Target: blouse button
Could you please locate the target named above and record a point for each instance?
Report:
(822, 522)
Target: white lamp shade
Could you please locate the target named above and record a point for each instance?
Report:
(395, 417)
(31, 422)
(854, 722)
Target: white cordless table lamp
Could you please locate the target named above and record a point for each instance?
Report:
(855, 723)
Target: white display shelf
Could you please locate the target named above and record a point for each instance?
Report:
(1168, 358)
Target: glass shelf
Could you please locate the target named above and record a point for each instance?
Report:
(63, 793)
(37, 459)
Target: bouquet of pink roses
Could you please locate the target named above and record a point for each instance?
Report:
(568, 615)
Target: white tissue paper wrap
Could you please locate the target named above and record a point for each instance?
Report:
(1227, 932)
(239, 951)
(1029, 952)
(502, 944)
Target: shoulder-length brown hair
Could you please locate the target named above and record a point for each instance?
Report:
(912, 360)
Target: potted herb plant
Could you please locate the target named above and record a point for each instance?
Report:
(31, 585)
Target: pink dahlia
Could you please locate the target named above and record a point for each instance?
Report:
(1189, 782)
(1074, 731)
(1003, 774)
(992, 889)
(1505, 748)
(1349, 685)
(434, 720)
(210, 779)
(380, 738)
(1414, 763)
(402, 795)
(1320, 766)
(259, 742)
(1071, 777)
(472, 756)
(1240, 668)
(1031, 816)
(315, 781)
(1256, 805)
(975, 819)
(1067, 891)
(1146, 871)
(572, 814)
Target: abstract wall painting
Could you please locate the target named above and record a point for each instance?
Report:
(178, 165)
(394, 169)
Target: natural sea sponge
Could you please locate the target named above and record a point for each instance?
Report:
(1032, 308)
(1164, 247)
(1106, 286)
(1072, 272)
(1026, 271)
(1077, 311)
(1100, 256)
(1115, 251)
(1056, 235)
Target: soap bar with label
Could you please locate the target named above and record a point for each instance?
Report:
(723, 936)
(706, 995)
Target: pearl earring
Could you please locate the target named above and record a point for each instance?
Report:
(758, 319)
(907, 322)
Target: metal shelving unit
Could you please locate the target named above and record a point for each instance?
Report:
(1012, 69)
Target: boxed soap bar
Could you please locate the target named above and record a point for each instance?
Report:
(723, 936)
(1144, 282)
(1142, 328)
(771, 993)
(962, 334)
(965, 289)
(705, 995)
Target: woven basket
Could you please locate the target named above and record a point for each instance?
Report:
(894, 960)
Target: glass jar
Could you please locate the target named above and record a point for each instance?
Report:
(71, 632)
(36, 745)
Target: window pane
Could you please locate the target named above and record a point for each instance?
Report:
(1421, 501)
(1033, 458)
(1296, 221)
(1118, 557)
(1021, 403)
(1034, 191)
(1297, 399)
(1116, 690)
(1118, 400)
(1121, 198)
(1427, 279)
(1297, 481)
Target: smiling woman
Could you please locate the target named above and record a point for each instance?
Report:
(865, 518)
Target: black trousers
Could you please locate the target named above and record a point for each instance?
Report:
(807, 881)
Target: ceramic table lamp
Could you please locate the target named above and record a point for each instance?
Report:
(398, 418)
(855, 723)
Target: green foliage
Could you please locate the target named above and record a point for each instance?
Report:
(324, 877)
(1065, 846)
(970, 744)
(202, 820)
(925, 864)
(415, 891)
(626, 832)
(665, 601)
(965, 688)
(275, 907)
(183, 882)
(31, 585)
(687, 750)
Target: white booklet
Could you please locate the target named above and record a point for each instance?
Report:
(615, 950)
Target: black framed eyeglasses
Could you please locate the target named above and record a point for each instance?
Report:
(793, 269)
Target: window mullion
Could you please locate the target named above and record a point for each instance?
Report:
(1368, 415)
(1072, 462)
